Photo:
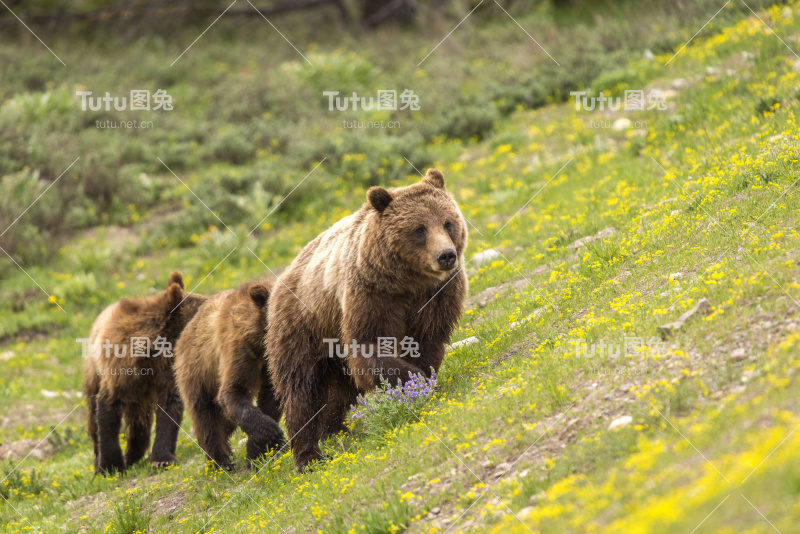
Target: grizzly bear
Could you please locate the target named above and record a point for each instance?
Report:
(393, 270)
(128, 372)
(220, 369)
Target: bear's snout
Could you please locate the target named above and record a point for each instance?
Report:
(447, 259)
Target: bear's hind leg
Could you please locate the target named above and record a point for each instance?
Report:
(303, 399)
(169, 414)
(109, 419)
(213, 430)
(138, 420)
(267, 400)
(91, 424)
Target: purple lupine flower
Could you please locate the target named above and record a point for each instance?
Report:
(409, 393)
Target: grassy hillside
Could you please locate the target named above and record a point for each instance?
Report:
(698, 201)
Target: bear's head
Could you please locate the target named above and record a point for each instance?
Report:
(180, 306)
(420, 226)
(165, 314)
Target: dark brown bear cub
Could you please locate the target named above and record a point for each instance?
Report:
(128, 372)
(220, 369)
(387, 277)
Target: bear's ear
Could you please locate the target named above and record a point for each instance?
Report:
(379, 197)
(435, 178)
(174, 295)
(175, 278)
(128, 306)
(260, 294)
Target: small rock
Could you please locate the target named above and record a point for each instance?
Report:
(602, 234)
(625, 387)
(535, 498)
(501, 470)
(669, 293)
(525, 512)
(463, 343)
(485, 256)
(712, 71)
(738, 355)
(517, 324)
(649, 55)
(621, 124)
(7, 355)
(669, 94)
(436, 511)
(625, 420)
(679, 84)
(673, 213)
(18, 450)
(47, 394)
(702, 307)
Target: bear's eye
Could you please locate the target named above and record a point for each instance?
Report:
(420, 231)
(448, 226)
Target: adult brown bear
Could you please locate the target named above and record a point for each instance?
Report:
(128, 371)
(220, 369)
(392, 270)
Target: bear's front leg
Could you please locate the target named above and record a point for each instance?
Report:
(432, 324)
(238, 381)
(365, 324)
(342, 393)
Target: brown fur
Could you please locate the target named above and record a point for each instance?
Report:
(131, 387)
(370, 275)
(220, 369)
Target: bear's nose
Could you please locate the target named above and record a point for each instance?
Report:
(447, 259)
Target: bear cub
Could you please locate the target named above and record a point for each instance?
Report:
(128, 372)
(220, 369)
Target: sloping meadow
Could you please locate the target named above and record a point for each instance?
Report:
(566, 411)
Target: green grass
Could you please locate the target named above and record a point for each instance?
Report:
(722, 225)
